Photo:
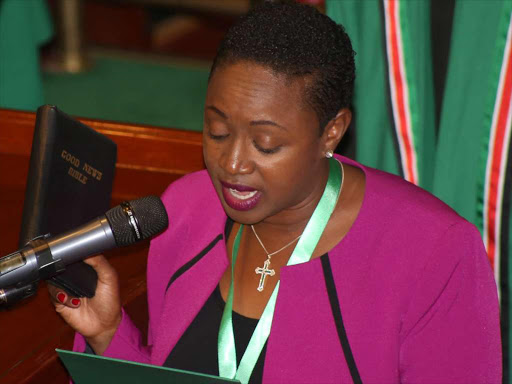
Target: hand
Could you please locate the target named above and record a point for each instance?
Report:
(97, 318)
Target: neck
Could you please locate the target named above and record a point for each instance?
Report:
(292, 221)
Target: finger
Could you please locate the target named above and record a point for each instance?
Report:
(54, 291)
(60, 298)
(102, 267)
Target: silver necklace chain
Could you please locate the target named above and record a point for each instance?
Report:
(265, 270)
(269, 255)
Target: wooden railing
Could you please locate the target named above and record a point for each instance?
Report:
(149, 159)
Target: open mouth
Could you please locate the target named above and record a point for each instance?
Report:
(240, 197)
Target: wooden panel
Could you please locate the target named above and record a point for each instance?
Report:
(148, 160)
(156, 151)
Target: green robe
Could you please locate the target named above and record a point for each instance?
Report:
(380, 141)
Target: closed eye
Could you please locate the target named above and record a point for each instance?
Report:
(267, 151)
(217, 137)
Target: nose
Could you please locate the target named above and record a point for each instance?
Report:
(235, 158)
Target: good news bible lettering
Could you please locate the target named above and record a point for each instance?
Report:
(69, 182)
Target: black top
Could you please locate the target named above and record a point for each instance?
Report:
(196, 350)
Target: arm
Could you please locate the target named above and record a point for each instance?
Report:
(450, 332)
(126, 343)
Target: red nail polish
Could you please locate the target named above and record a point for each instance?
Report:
(75, 302)
(61, 297)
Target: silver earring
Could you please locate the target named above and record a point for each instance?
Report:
(328, 154)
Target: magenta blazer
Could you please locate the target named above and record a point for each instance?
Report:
(415, 290)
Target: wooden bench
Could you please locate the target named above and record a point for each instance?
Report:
(149, 159)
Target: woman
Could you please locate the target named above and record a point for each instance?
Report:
(384, 282)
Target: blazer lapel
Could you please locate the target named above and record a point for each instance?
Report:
(188, 290)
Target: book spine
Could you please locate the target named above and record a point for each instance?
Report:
(37, 179)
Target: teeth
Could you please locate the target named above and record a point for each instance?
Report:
(242, 195)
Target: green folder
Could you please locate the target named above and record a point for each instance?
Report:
(85, 368)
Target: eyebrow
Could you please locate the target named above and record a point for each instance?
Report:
(217, 111)
(267, 122)
(252, 123)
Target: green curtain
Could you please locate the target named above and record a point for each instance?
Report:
(24, 25)
(381, 140)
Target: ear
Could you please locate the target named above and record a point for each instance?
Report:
(335, 130)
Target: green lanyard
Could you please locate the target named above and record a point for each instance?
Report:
(301, 254)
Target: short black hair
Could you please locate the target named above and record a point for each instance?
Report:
(296, 40)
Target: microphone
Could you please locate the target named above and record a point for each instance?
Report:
(45, 256)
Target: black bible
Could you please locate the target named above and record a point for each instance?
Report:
(69, 183)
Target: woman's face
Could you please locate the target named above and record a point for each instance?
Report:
(262, 145)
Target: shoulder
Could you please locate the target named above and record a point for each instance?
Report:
(191, 197)
(191, 186)
(404, 227)
(405, 205)
(195, 214)
(414, 214)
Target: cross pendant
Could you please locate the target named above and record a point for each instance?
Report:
(264, 272)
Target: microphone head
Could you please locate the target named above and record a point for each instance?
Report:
(137, 220)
